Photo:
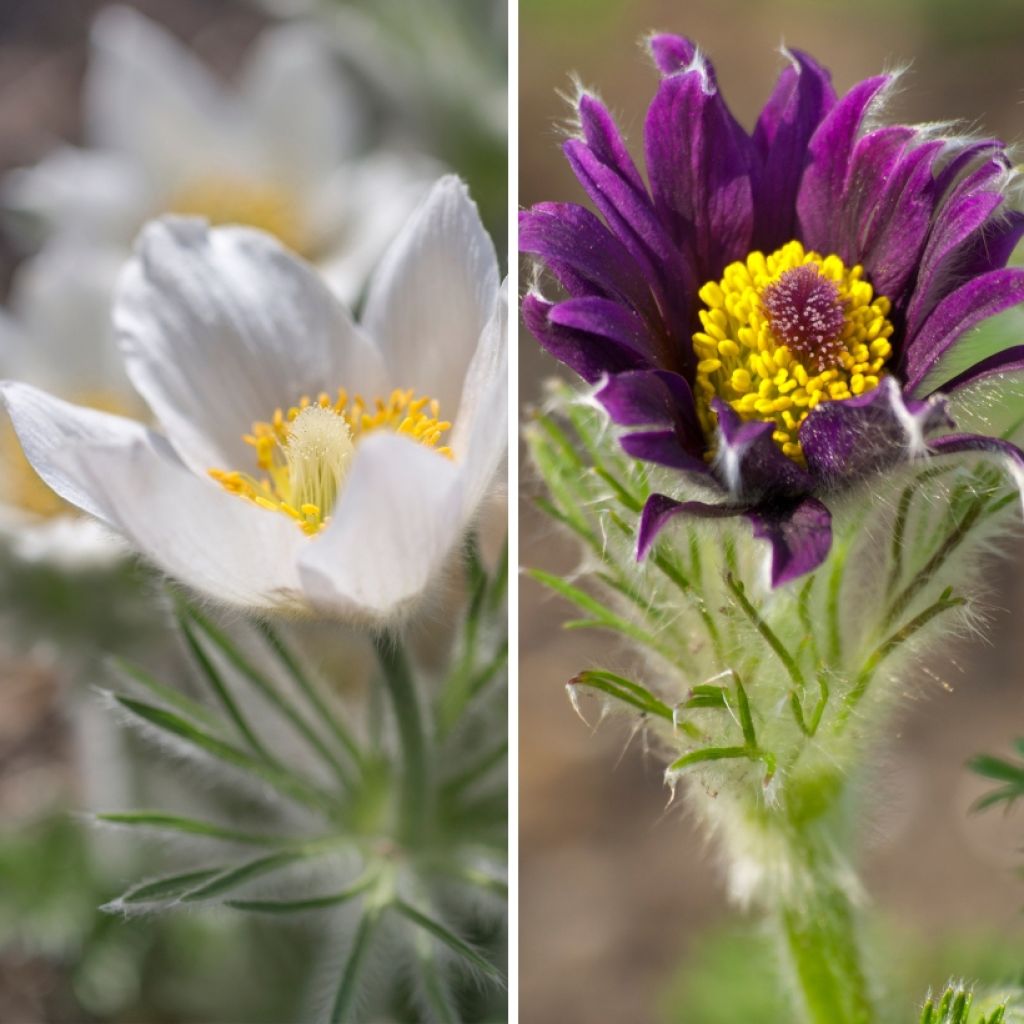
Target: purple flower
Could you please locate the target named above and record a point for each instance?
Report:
(766, 312)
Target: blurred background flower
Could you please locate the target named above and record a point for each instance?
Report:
(638, 909)
(110, 114)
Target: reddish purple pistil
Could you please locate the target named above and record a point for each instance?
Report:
(806, 315)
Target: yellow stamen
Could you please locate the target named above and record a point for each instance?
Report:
(304, 453)
(784, 332)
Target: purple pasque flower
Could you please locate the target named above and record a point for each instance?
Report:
(766, 312)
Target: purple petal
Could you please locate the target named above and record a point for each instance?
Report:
(984, 150)
(608, 348)
(856, 437)
(584, 255)
(602, 137)
(665, 448)
(969, 305)
(749, 464)
(672, 54)
(900, 222)
(660, 510)
(802, 97)
(955, 224)
(632, 219)
(1010, 360)
(800, 536)
(662, 399)
(871, 162)
(830, 148)
(700, 162)
(994, 245)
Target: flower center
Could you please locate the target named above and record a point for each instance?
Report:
(228, 200)
(304, 454)
(784, 332)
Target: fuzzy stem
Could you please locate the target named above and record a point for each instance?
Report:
(823, 953)
(405, 703)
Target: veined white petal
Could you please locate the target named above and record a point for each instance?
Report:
(359, 210)
(148, 96)
(219, 327)
(480, 433)
(396, 522)
(221, 545)
(49, 428)
(433, 294)
(305, 114)
(84, 193)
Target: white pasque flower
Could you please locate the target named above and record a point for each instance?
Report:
(302, 462)
(55, 333)
(279, 150)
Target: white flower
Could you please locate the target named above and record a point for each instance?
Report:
(326, 512)
(56, 333)
(278, 151)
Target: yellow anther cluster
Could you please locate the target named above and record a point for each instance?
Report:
(228, 200)
(304, 452)
(831, 354)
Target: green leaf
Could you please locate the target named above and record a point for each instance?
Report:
(191, 826)
(624, 690)
(348, 987)
(167, 694)
(311, 903)
(170, 887)
(280, 779)
(1000, 770)
(450, 939)
(233, 877)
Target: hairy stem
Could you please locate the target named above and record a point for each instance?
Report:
(819, 932)
(415, 789)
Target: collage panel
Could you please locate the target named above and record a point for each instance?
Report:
(770, 354)
(254, 552)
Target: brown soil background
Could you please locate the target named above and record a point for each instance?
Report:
(614, 893)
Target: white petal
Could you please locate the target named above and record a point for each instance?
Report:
(220, 327)
(217, 543)
(480, 433)
(148, 96)
(49, 428)
(396, 522)
(93, 195)
(433, 294)
(62, 300)
(306, 113)
(358, 212)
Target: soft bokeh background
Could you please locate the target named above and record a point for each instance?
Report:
(622, 906)
(61, 960)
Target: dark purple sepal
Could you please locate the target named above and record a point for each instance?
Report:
(955, 315)
(847, 440)
(899, 222)
(665, 448)
(656, 398)
(672, 54)
(660, 510)
(591, 354)
(749, 464)
(800, 536)
(802, 97)
(584, 255)
(700, 164)
(602, 136)
(829, 151)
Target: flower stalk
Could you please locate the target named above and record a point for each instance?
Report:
(414, 790)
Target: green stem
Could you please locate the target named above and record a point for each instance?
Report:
(824, 956)
(415, 790)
